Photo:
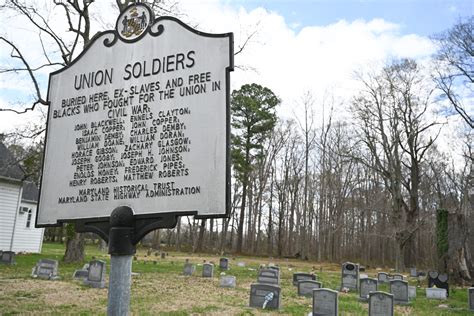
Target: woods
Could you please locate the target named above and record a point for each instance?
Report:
(367, 189)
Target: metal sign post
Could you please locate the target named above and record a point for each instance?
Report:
(138, 123)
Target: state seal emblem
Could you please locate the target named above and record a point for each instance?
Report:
(133, 22)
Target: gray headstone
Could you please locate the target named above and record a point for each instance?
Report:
(436, 293)
(413, 273)
(397, 276)
(96, 277)
(241, 264)
(163, 255)
(380, 304)
(301, 276)
(207, 270)
(266, 296)
(7, 257)
(382, 277)
(228, 281)
(46, 269)
(189, 269)
(268, 276)
(399, 289)
(367, 285)
(411, 292)
(224, 263)
(306, 287)
(470, 296)
(350, 276)
(324, 302)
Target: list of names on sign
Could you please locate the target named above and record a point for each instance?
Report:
(140, 124)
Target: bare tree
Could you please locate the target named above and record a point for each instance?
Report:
(455, 67)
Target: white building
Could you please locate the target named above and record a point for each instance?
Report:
(18, 204)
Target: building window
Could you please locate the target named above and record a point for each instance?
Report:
(28, 219)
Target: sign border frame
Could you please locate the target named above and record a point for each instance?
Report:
(107, 43)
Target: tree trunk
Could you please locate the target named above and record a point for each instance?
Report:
(459, 257)
(74, 248)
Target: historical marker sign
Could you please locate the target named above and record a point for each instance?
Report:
(141, 119)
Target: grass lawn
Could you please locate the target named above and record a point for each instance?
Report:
(161, 289)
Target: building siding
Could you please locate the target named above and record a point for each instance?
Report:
(9, 196)
(27, 239)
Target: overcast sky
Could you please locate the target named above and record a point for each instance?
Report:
(299, 46)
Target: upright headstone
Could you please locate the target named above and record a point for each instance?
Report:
(266, 296)
(189, 269)
(301, 276)
(163, 255)
(325, 302)
(224, 263)
(46, 269)
(268, 276)
(411, 292)
(7, 257)
(413, 273)
(306, 287)
(470, 295)
(350, 276)
(380, 304)
(399, 289)
(277, 268)
(382, 277)
(207, 270)
(227, 281)
(432, 277)
(366, 286)
(96, 277)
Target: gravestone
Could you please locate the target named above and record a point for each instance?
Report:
(306, 287)
(380, 304)
(411, 292)
(241, 264)
(382, 277)
(350, 276)
(277, 268)
(96, 277)
(46, 269)
(324, 302)
(397, 276)
(436, 293)
(438, 280)
(266, 296)
(399, 289)
(301, 276)
(80, 274)
(413, 273)
(163, 255)
(7, 257)
(268, 276)
(470, 297)
(227, 281)
(224, 263)
(366, 286)
(189, 269)
(207, 270)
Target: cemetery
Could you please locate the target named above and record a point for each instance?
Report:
(163, 287)
(153, 184)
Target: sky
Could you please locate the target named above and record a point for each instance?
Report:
(298, 47)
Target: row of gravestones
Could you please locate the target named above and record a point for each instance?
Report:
(92, 274)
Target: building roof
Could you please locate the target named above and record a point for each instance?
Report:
(30, 192)
(9, 167)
